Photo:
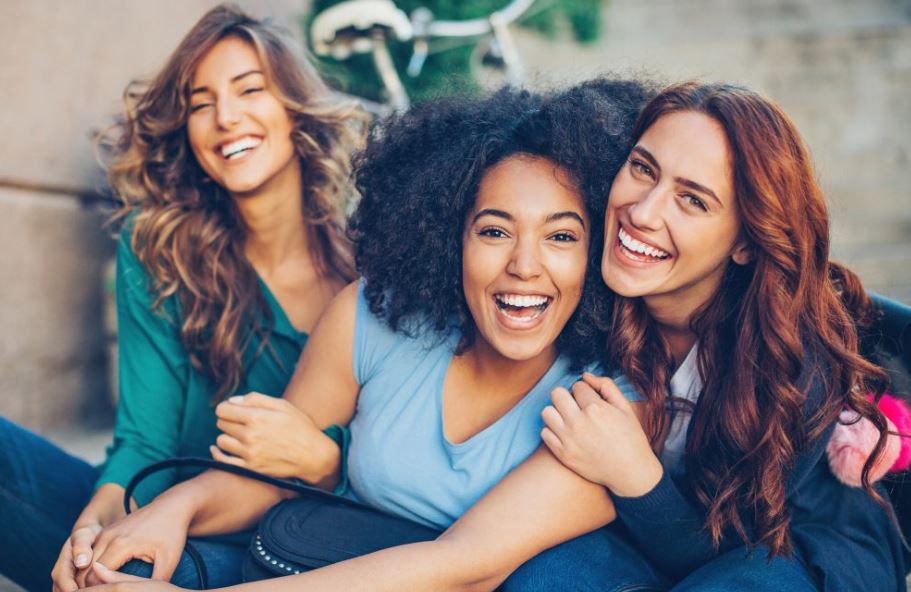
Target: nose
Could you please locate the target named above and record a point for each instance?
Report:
(228, 112)
(525, 262)
(646, 212)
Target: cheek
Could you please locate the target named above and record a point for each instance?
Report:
(196, 139)
(569, 274)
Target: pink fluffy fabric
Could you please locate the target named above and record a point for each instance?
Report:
(898, 412)
(852, 443)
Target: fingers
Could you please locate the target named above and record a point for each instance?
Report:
(82, 539)
(262, 401)
(552, 441)
(220, 456)
(64, 573)
(232, 428)
(109, 576)
(234, 412)
(553, 419)
(585, 395)
(565, 404)
(607, 389)
(230, 444)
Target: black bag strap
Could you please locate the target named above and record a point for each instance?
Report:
(208, 463)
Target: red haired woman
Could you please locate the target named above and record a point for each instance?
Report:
(728, 316)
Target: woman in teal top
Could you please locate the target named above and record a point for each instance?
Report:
(232, 165)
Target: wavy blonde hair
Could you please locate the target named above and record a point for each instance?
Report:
(186, 230)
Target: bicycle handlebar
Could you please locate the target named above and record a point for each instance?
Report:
(478, 26)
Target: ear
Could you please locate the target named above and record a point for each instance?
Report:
(741, 253)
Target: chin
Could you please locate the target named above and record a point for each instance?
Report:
(523, 352)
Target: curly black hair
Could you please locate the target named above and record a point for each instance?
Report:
(419, 178)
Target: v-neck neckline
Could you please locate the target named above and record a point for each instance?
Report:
(488, 429)
(283, 325)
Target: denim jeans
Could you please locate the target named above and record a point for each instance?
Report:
(606, 561)
(600, 561)
(221, 558)
(42, 492)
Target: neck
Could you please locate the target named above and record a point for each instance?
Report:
(274, 220)
(673, 322)
(488, 366)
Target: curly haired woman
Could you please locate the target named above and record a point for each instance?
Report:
(478, 250)
(232, 165)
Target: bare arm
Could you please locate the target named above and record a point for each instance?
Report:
(323, 385)
(540, 504)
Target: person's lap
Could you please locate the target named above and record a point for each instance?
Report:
(600, 561)
(42, 492)
(213, 564)
(606, 561)
(739, 570)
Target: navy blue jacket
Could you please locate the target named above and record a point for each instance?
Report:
(847, 540)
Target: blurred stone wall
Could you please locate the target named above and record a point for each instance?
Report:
(842, 69)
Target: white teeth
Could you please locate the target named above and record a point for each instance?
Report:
(640, 247)
(523, 301)
(238, 146)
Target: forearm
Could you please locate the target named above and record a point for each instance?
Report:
(217, 502)
(668, 527)
(105, 507)
(442, 565)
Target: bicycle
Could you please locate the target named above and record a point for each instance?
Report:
(367, 26)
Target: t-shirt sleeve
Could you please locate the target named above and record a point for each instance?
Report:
(373, 340)
(153, 375)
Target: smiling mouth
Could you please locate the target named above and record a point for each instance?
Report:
(521, 307)
(637, 250)
(238, 148)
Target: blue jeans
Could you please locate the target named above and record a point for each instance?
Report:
(220, 562)
(600, 561)
(42, 492)
(606, 561)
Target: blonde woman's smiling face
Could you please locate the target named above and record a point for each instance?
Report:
(672, 224)
(524, 256)
(239, 131)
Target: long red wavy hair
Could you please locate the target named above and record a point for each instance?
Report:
(775, 325)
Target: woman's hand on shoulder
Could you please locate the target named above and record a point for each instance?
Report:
(595, 431)
(274, 437)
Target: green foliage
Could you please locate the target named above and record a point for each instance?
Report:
(448, 71)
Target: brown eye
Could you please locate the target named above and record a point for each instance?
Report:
(639, 168)
(694, 201)
(492, 232)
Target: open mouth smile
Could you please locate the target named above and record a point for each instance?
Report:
(637, 250)
(235, 149)
(522, 308)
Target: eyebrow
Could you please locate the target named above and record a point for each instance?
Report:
(509, 217)
(202, 89)
(682, 180)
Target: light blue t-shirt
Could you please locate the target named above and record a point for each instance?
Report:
(399, 459)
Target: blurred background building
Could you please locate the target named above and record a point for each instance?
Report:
(841, 68)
